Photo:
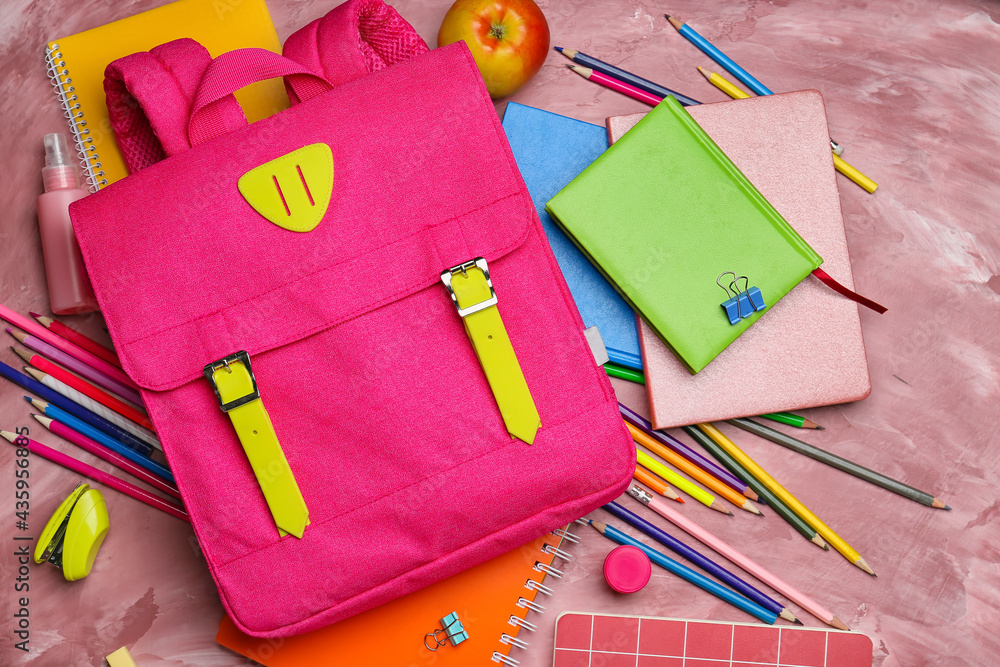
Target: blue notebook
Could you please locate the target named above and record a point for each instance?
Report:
(551, 150)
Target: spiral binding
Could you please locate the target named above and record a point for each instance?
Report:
(531, 605)
(86, 151)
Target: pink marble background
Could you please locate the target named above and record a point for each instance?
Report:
(913, 92)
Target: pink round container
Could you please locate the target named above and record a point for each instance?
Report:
(627, 569)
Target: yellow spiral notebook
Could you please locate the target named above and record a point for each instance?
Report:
(76, 67)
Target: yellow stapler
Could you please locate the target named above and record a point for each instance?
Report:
(74, 533)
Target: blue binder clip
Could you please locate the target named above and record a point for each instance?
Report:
(453, 632)
(731, 304)
(742, 303)
(753, 295)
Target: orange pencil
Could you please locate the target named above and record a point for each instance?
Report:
(74, 336)
(691, 470)
(655, 483)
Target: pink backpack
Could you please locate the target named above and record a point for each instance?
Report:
(375, 393)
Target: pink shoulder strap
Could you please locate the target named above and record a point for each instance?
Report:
(149, 97)
(150, 94)
(352, 40)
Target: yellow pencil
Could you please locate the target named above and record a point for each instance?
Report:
(791, 501)
(842, 166)
(691, 470)
(690, 488)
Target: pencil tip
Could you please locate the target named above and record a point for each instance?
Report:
(730, 514)
(558, 48)
(819, 428)
(33, 314)
(839, 624)
(681, 500)
(947, 507)
(798, 622)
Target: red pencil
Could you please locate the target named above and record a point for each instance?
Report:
(96, 474)
(615, 84)
(85, 388)
(74, 336)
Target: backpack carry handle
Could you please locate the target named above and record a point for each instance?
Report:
(234, 70)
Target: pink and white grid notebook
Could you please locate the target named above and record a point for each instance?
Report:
(807, 350)
(600, 640)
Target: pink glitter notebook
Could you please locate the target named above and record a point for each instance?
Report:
(808, 351)
(588, 640)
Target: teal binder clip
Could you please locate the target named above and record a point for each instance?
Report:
(451, 628)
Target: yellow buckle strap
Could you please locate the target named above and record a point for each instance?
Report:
(472, 293)
(236, 388)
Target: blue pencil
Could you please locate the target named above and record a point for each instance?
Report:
(701, 561)
(94, 434)
(718, 56)
(686, 573)
(81, 413)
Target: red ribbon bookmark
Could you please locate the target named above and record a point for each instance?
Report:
(853, 296)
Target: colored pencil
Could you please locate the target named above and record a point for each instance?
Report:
(690, 488)
(686, 573)
(622, 373)
(793, 519)
(839, 163)
(718, 56)
(69, 420)
(57, 399)
(74, 336)
(840, 463)
(75, 365)
(691, 470)
(90, 404)
(637, 420)
(102, 452)
(616, 85)
(792, 419)
(104, 398)
(827, 533)
(624, 76)
(655, 483)
(736, 557)
(97, 475)
(705, 563)
(37, 330)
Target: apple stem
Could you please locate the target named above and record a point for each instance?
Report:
(497, 31)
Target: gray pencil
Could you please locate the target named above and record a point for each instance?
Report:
(838, 462)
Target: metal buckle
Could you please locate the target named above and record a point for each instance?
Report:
(210, 369)
(479, 263)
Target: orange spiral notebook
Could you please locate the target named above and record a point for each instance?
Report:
(488, 598)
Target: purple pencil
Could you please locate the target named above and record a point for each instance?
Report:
(640, 422)
(75, 365)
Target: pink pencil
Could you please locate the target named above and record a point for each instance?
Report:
(615, 84)
(74, 336)
(97, 475)
(103, 452)
(69, 348)
(75, 365)
(707, 538)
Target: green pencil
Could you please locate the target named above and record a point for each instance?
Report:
(762, 491)
(792, 419)
(616, 371)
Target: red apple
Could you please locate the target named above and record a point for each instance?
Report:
(508, 38)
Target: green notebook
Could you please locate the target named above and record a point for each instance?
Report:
(662, 214)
